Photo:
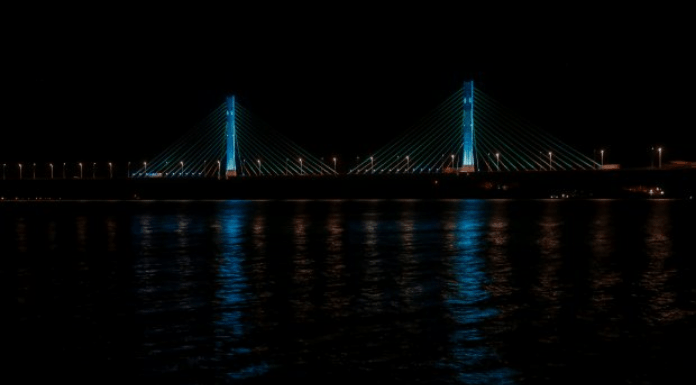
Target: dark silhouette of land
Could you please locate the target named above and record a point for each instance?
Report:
(638, 183)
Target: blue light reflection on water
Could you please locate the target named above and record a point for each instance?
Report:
(409, 291)
(476, 362)
(233, 294)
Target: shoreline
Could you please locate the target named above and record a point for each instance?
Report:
(598, 184)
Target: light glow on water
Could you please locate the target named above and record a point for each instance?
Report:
(412, 291)
(475, 361)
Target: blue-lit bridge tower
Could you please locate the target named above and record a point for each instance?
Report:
(455, 138)
(468, 155)
(231, 142)
(231, 135)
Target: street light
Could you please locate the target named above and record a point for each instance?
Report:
(94, 170)
(550, 162)
(20, 171)
(63, 170)
(334, 159)
(601, 157)
(80, 164)
(111, 171)
(497, 159)
(218, 170)
(182, 168)
(659, 157)
(51, 165)
(145, 168)
(300, 166)
(259, 162)
(33, 171)
(407, 163)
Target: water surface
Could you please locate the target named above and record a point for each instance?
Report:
(383, 291)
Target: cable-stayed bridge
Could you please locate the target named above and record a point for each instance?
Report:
(231, 142)
(468, 132)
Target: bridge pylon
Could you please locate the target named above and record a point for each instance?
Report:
(231, 136)
(468, 156)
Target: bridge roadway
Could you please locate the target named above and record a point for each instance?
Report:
(679, 183)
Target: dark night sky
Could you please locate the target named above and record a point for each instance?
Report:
(120, 84)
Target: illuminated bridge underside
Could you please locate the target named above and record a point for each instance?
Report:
(452, 139)
(254, 150)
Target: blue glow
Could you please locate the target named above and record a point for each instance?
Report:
(234, 295)
(468, 125)
(231, 137)
(469, 302)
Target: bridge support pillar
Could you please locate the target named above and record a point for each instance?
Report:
(468, 157)
(231, 136)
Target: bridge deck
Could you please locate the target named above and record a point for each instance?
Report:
(582, 184)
